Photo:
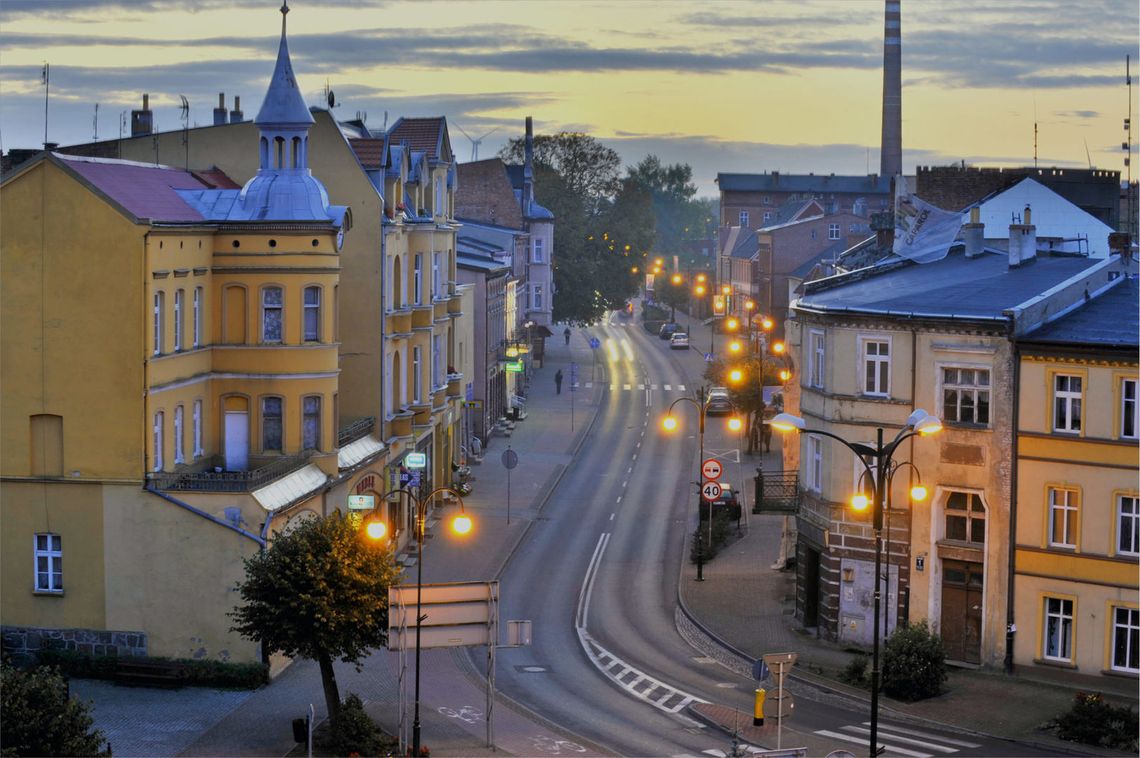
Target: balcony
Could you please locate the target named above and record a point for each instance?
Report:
(454, 306)
(439, 398)
(212, 477)
(441, 309)
(399, 322)
(455, 385)
(401, 423)
(422, 316)
(422, 413)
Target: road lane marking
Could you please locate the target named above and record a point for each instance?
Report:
(863, 741)
(883, 735)
(916, 733)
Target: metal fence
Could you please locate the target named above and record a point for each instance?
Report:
(777, 492)
(213, 478)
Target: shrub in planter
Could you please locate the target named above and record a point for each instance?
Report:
(356, 733)
(914, 663)
(1092, 721)
(720, 528)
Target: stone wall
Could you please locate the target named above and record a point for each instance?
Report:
(24, 643)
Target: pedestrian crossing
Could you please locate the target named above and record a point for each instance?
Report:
(614, 387)
(899, 740)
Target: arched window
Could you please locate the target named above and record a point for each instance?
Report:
(312, 315)
(279, 148)
(296, 156)
(311, 423)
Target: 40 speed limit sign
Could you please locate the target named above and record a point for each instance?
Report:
(710, 491)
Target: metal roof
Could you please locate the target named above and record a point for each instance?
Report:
(144, 190)
(955, 286)
(822, 183)
(291, 488)
(1110, 317)
(747, 245)
(283, 103)
(1054, 216)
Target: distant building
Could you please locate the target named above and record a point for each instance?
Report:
(752, 201)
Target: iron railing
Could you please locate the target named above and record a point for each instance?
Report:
(213, 477)
(355, 430)
(777, 492)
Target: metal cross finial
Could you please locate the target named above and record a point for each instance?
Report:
(284, 7)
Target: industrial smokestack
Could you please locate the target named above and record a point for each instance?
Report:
(528, 168)
(890, 154)
(220, 111)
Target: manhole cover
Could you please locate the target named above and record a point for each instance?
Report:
(533, 669)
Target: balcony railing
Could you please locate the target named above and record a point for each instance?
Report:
(213, 478)
(355, 430)
(777, 492)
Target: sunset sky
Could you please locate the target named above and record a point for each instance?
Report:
(723, 86)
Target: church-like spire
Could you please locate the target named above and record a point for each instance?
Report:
(283, 104)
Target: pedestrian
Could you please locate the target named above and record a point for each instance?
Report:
(558, 381)
(566, 335)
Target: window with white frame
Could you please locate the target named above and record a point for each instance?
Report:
(536, 299)
(876, 366)
(196, 325)
(158, 434)
(417, 376)
(312, 315)
(272, 314)
(198, 451)
(1063, 511)
(767, 216)
(1058, 629)
(1066, 403)
(965, 518)
(179, 295)
(1125, 639)
(49, 562)
(816, 356)
(179, 445)
(1129, 409)
(272, 422)
(439, 209)
(311, 423)
(418, 280)
(437, 360)
(159, 321)
(966, 395)
(1128, 524)
(744, 218)
(539, 254)
(436, 279)
(833, 231)
(815, 463)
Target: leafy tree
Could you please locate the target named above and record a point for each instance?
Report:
(589, 168)
(318, 592)
(675, 211)
(670, 294)
(40, 719)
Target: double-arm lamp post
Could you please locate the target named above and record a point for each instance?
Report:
(919, 423)
(377, 529)
(669, 424)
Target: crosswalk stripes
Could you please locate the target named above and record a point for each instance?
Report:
(642, 387)
(899, 740)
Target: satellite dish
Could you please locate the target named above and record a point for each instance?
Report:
(332, 99)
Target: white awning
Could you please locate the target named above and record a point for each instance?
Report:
(357, 450)
(291, 487)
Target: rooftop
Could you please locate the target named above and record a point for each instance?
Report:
(822, 183)
(144, 190)
(428, 135)
(1108, 318)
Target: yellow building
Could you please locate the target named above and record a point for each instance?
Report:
(171, 388)
(1077, 605)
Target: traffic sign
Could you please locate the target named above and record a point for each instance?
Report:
(416, 460)
(710, 491)
(779, 705)
(708, 357)
(711, 469)
(510, 458)
(595, 343)
(759, 670)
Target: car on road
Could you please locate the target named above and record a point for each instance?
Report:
(679, 341)
(728, 502)
(718, 403)
(668, 330)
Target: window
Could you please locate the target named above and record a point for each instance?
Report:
(1129, 416)
(312, 314)
(1126, 639)
(536, 300)
(1058, 629)
(813, 233)
(179, 446)
(437, 360)
(158, 422)
(1062, 517)
(833, 231)
(159, 305)
(1066, 403)
(539, 255)
(744, 218)
(1128, 524)
(197, 318)
(966, 395)
(965, 518)
(271, 424)
(765, 200)
(816, 356)
(876, 367)
(767, 216)
(272, 314)
(49, 563)
(179, 295)
(198, 429)
(418, 280)
(311, 424)
(417, 376)
(815, 463)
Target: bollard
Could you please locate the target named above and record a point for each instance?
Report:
(758, 708)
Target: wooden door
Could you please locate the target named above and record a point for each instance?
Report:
(962, 610)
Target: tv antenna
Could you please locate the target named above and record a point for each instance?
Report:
(185, 114)
(95, 124)
(330, 96)
(475, 142)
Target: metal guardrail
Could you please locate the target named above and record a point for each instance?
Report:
(777, 492)
(214, 479)
(355, 430)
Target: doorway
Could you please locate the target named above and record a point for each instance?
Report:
(237, 441)
(962, 584)
(811, 588)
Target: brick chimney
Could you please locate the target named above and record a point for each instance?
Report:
(1022, 241)
(142, 121)
(236, 115)
(220, 111)
(974, 234)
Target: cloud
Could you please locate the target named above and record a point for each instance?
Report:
(1077, 114)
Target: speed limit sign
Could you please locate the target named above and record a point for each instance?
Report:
(710, 491)
(711, 469)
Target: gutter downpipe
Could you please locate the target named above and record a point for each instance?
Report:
(1010, 626)
(910, 478)
(181, 504)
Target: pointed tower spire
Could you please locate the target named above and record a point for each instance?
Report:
(283, 104)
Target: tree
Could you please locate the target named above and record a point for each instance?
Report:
(589, 168)
(679, 215)
(318, 592)
(40, 719)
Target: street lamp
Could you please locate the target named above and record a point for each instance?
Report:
(669, 424)
(918, 423)
(461, 524)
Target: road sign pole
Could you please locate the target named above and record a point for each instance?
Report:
(780, 710)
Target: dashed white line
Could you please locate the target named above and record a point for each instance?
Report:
(619, 498)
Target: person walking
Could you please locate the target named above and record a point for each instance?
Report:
(566, 335)
(558, 381)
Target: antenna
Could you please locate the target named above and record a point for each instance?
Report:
(476, 142)
(1089, 157)
(1034, 132)
(47, 90)
(330, 96)
(186, 129)
(95, 125)
(1128, 151)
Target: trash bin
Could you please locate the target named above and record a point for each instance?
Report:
(301, 730)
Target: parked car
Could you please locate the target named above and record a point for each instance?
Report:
(668, 330)
(718, 403)
(679, 341)
(728, 501)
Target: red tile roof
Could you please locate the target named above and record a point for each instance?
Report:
(370, 152)
(216, 178)
(419, 134)
(143, 190)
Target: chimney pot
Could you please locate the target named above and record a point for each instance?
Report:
(146, 101)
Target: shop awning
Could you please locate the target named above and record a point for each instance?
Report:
(357, 450)
(291, 488)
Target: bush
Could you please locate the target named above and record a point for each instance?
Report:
(197, 673)
(855, 673)
(1092, 721)
(40, 719)
(914, 663)
(720, 529)
(357, 734)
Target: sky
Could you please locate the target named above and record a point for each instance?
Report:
(736, 86)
